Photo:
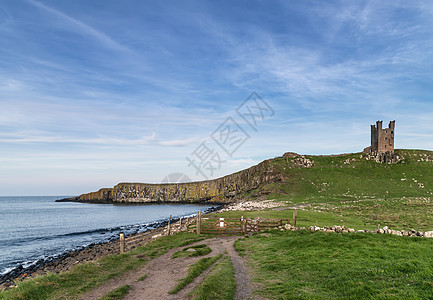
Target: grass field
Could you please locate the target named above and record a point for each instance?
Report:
(317, 265)
(350, 190)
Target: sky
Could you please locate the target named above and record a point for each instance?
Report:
(97, 92)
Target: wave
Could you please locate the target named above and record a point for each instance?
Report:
(79, 245)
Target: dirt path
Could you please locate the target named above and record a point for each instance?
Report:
(164, 272)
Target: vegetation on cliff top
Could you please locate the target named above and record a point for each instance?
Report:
(359, 192)
(353, 176)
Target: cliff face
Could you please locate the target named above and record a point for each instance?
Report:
(220, 190)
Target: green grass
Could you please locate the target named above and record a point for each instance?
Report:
(80, 279)
(84, 277)
(118, 293)
(317, 265)
(141, 278)
(332, 180)
(194, 271)
(361, 195)
(199, 250)
(219, 284)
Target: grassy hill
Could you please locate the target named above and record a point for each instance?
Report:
(360, 193)
(355, 190)
(352, 175)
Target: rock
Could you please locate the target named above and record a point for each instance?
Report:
(290, 154)
(220, 190)
(428, 234)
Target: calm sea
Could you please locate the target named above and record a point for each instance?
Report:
(33, 228)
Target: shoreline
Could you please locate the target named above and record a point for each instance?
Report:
(66, 260)
(110, 201)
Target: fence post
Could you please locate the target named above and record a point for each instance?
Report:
(122, 242)
(280, 222)
(199, 222)
(180, 224)
(169, 226)
(294, 218)
(242, 224)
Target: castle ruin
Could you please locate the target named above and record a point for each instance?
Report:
(382, 140)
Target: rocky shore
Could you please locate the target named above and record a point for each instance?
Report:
(252, 205)
(66, 260)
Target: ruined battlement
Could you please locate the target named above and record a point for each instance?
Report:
(382, 140)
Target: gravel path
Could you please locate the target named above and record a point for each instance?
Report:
(164, 272)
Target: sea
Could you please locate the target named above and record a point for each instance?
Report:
(35, 228)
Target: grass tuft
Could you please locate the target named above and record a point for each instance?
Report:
(142, 277)
(118, 293)
(199, 250)
(194, 271)
(219, 284)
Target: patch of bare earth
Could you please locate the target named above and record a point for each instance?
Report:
(163, 274)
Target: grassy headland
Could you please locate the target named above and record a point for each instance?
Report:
(355, 191)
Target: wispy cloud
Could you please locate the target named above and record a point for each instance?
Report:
(81, 27)
(110, 93)
(179, 143)
(88, 141)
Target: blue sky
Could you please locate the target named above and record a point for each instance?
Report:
(93, 93)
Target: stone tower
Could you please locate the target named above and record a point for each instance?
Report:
(382, 140)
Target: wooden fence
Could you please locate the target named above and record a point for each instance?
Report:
(209, 225)
(183, 225)
(235, 226)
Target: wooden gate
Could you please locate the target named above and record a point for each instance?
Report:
(217, 225)
(221, 225)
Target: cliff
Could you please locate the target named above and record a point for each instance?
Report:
(220, 190)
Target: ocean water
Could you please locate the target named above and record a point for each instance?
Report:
(33, 228)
